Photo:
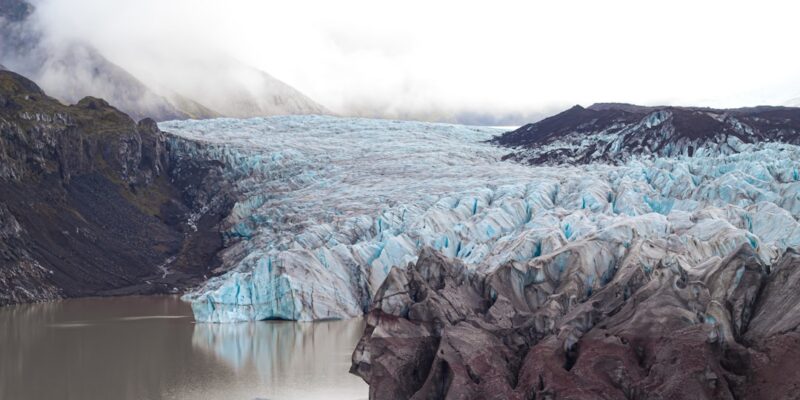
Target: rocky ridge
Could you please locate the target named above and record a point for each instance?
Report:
(87, 203)
(617, 133)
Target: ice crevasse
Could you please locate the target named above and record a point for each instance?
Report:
(326, 206)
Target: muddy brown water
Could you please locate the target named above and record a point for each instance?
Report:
(151, 348)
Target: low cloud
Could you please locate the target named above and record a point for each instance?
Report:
(503, 63)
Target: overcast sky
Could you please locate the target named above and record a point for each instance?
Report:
(409, 58)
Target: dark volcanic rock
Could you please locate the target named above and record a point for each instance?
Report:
(87, 205)
(725, 330)
(615, 133)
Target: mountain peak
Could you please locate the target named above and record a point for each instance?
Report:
(15, 84)
(620, 107)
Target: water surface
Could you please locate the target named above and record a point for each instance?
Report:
(151, 348)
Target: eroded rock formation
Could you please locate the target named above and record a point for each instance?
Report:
(725, 328)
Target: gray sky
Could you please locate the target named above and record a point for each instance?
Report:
(444, 58)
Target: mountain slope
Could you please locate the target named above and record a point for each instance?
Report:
(87, 204)
(191, 108)
(78, 70)
(71, 70)
(615, 133)
(240, 91)
(264, 96)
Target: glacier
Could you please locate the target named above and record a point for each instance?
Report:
(326, 206)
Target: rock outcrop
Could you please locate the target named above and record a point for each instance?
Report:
(616, 133)
(86, 202)
(722, 329)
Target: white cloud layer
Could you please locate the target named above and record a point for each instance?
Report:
(446, 58)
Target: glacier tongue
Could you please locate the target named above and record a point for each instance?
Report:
(326, 206)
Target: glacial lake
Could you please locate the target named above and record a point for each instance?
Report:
(151, 348)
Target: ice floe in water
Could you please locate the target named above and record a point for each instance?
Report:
(325, 206)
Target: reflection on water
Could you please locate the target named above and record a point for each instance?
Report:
(150, 348)
(289, 352)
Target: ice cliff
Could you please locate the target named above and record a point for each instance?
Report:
(325, 207)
